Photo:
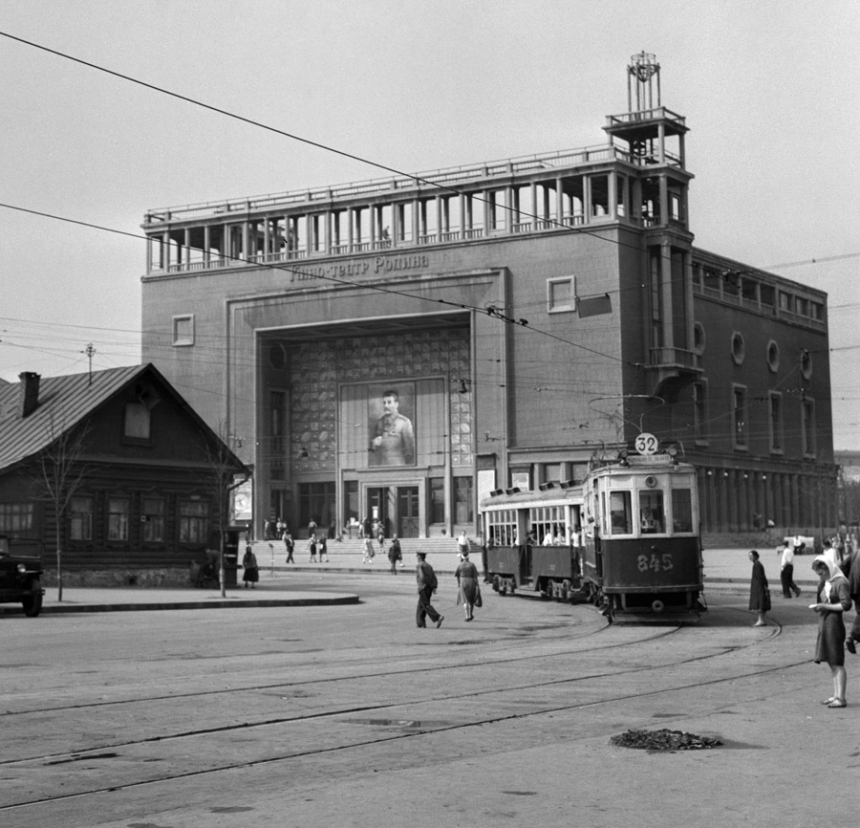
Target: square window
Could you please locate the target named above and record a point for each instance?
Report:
(561, 294)
(136, 424)
(183, 330)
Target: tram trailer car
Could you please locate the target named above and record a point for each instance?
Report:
(643, 553)
(516, 523)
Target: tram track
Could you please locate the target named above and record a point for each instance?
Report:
(395, 714)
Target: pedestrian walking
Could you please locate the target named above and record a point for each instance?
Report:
(369, 551)
(786, 572)
(468, 589)
(312, 548)
(463, 544)
(832, 599)
(252, 572)
(427, 583)
(395, 554)
(759, 591)
(312, 528)
(322, 549)
(289, 543)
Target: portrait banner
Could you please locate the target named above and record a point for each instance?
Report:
(391, 424)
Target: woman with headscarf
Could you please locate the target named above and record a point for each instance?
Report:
(832, 600)
(468, 593)
(759, 591)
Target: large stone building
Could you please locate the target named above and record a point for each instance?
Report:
(525, 313)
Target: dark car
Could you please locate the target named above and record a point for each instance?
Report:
(20, 577)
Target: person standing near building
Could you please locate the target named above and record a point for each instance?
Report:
(369, 551)
(463, 546)
(468, 590)
(759, 591)
(290, 545)
(851, 569)
(252, 572)
(831, 601)
(322, 548)
(395, 555)
(786, 572)
(312, 548)
(427, 583)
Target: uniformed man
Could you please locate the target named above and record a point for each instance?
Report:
(393, 441)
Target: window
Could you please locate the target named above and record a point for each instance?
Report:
(502, 527)
(738, 348)
(713, 282)
(700, 411)
(767, 294)
(193, 521)
(698, 338)
(547, 525)
(561, 294)
(118, 510)
(775, 416)
(620, 522)
(739, 416)
(773, 356)
(136, 423)
(807, 426)
(437, 500)
(806, 364)
(152, 516)
(749, 291)
(81, 510)
(682, 510)
(183, 330)
(16, 517)
(464, 512)
(784, 301)
(652, 517)
(277, 418)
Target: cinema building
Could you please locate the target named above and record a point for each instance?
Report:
(399, 348)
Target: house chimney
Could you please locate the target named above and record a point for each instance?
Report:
(29, 392)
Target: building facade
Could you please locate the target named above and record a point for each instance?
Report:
(398, 348)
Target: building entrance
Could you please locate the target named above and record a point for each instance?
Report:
(397, 508)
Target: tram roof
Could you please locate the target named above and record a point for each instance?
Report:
(556, 495)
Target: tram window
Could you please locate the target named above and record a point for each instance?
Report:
(682, 510)
(619, 513)
(652, 517)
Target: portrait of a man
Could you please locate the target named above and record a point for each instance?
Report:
(392, 435)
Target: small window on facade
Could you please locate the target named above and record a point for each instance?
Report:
(806, 364)
(437, 500)
(773, 356)
(183, 330)
(767, 294)
(698, 338)
(561, 294)
(738, 348)
(749, 290)
(807, 425)
(136, 423)
(118, 511)
(739, 416)
(152, 514)
(81, 512)
(16, 517)
(801, 306)
(463, 508)
(700, 411)
(784, 301)
(277, 356)
(712, 280)
(816, 311)
(775, 416)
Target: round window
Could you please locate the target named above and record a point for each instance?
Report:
(738, 348)
(773, 356)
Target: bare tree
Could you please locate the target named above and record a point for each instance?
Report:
(222, 469)
(59, 473)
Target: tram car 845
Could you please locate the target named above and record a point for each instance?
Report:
(642, 545)
(626, 538)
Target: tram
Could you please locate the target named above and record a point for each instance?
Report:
(626, 538)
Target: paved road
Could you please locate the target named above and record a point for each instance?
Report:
(348, 715)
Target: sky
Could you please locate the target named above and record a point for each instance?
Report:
(769, 91)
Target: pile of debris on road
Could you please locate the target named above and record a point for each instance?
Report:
(663, 740)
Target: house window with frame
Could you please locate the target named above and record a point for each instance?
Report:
(16, 517)
(775, 405)
(152, 515)
(700, 412)
(463, 508)
(437, 500)
(118, 513)
(561, 294)
(739, 416)
(193, 521)
(136, 421)
(81, 519)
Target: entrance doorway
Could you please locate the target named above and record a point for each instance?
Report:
(407, 511)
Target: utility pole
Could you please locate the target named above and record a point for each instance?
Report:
(89, 351)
